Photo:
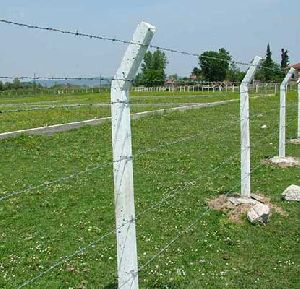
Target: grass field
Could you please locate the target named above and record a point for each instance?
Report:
(48, 110)
(181, 159)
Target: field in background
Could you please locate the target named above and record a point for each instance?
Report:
(181, 159)
(55, 109)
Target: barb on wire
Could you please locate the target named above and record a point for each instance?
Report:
(109, 79)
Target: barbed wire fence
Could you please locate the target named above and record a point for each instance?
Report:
(173, 193)
(123, 156)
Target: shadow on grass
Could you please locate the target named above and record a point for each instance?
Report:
(111, 286)
(165, 285)
(153, 285)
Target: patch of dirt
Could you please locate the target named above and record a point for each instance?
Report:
(294, 141)
(237, 212)
(287, 162)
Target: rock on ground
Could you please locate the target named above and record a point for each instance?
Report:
(292, 193)
(285, 162)
(295, 141)
(259, 213)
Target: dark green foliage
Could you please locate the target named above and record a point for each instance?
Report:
(17, 84)
(197, 72)
(269, 70)
(234, 74)
(153, 69)
(215, 65)
(284, 58)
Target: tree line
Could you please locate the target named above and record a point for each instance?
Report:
(213, 66)
(17, 84)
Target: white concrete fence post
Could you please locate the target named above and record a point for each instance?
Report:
(245, 128)
(127, 262)
(282, 124)
(298, 131)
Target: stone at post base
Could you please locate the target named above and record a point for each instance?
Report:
(295, 141)
(284, 161)
(292, 193)
(239, 200)
(259, 213)
(236, 207)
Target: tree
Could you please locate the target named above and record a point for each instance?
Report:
(214, 65)
(234, 74)
(173, 76)
(153, 69)
(16, 84)
(284, 59)
(197, 72)
(269, 61)
(269, 70)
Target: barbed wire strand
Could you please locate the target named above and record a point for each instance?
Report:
(171, 82)
(98, 166)
(220, 165)
(83, 249)
(105, 38)
(91, 168)
(39, 107)
(179, 234)
(112, 39)
(108, 105)
(124, 42)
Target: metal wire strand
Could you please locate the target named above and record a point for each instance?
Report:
(117, 40)
(102, 165)
(179, 233)
(145, 265)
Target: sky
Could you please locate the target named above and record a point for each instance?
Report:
(243, 27)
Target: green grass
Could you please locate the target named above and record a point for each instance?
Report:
(42, 225)
(49, 115)
(105, 97)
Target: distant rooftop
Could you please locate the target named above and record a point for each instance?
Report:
(296, 66)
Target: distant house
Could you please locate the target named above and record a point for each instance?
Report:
(193, 76)
(170, 82)
(297, 67)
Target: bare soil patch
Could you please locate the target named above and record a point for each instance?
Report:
(237, 212)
